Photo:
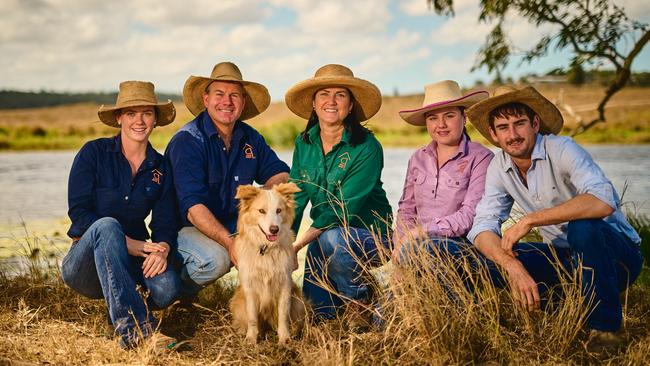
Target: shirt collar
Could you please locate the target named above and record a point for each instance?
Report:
(314, 134)
(151, 158)
(539, 153)
(211, 130)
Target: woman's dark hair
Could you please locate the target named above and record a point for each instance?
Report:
(357, 132)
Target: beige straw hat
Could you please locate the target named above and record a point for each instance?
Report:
(438, 95)
(366, 95)
(551, 120)
(137, 94)
(257, 96)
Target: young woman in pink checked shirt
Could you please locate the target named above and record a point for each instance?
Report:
(445, 179)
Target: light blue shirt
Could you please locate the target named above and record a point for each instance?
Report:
(560, 170)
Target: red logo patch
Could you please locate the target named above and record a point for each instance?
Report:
(248, 152)
(156, 174)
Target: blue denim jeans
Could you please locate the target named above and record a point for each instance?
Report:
(99, 266)
(201, 260)
(611, 262)
(331, 257)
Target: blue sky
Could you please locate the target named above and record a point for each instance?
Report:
(400, 45)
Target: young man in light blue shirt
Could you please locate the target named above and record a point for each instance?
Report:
(562, 192)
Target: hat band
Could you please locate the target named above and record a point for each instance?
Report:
(132, 101)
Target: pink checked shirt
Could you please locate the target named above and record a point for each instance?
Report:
(442, 200)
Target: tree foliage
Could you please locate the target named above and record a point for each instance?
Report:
(596, 32)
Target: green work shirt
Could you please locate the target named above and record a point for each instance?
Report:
(344, 186)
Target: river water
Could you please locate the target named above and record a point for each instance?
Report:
(34, 184)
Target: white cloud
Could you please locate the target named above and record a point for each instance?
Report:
(414, 7)
(451, 68)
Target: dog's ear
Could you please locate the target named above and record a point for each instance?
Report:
(245, 194)
(286, 189)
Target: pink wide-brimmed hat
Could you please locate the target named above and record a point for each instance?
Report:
(438, 95)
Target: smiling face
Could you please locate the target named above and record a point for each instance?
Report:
(445, 125)
(224, 102)
(332, 105)
(516, 134)
(136, 123)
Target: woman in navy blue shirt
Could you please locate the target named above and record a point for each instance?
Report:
(114, 184)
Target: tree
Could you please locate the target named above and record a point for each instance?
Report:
(595, 31)
(576, 74)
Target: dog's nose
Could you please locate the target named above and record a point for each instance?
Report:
(274, 229)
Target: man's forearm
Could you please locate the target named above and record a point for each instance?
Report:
(582, 206)
(276, 179)
(201, 217)
(489, 244)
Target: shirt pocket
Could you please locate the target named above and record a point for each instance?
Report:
(423, 186)
(456, 188)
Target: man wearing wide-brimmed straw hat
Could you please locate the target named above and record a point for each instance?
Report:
(564, 194)
(211, 156)
(115, 183)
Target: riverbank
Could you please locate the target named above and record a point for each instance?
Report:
(69, 127)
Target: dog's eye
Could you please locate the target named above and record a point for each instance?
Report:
(262, 211)
(278, 210)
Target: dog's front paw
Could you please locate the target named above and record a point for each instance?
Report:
(251, 337)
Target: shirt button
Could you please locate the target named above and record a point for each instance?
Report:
(126, 198)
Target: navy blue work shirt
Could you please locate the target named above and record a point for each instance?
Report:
(206, 173)
(101, 185)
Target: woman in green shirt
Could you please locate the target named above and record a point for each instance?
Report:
(337, 164)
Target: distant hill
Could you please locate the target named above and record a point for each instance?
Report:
(11, 99)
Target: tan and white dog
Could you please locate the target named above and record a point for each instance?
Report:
(266, 296)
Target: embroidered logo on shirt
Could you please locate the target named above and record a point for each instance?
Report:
(462, 165)
(156, 174)
(345, 157)
(248, 152)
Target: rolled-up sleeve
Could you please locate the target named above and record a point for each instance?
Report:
(81, 188)
(188, 162)
(585, 175)
(460, 222)
(494, 208)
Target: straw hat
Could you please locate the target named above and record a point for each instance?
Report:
(137, 94)
(257, 97)
(441, 95)
(366, 95)
(550, 117)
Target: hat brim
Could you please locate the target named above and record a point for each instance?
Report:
(166, 112)
(257, 96)
(367, 97)
(551, 118)
(416, 116)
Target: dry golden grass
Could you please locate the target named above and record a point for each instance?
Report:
(67, 127)
(43, 321)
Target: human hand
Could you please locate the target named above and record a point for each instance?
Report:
(140, 248)
(154, 264)
(295, 260)
(513, 234)
(523, 286)
(232, 250)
